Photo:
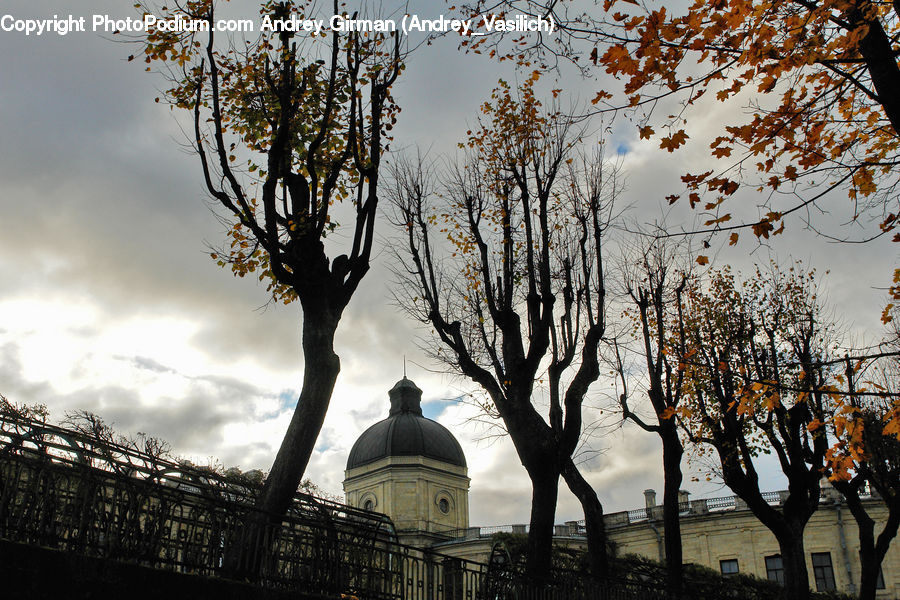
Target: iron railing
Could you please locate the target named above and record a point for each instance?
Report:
(74, 492)
(82, 493)
(623, 518)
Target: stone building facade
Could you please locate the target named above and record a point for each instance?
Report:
(413, 470)
(722, 534)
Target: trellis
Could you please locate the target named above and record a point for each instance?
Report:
(77, 491)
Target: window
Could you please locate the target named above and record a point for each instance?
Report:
(775, 568)
(823, 571)
(444, 505)
(368, 501)
(728, 567)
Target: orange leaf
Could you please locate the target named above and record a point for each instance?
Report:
(602, 95)
(674, 141)
(762, 229)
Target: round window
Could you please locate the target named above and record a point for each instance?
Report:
(444, 505)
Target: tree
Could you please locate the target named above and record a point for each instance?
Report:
(286, 127)
(821, 83)
(824, 95)
(655, 287)
(753, 362)
(518, 294)
(866, 454)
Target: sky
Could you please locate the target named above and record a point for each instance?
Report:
(110, 303)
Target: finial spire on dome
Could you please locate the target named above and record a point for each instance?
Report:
(405, 397)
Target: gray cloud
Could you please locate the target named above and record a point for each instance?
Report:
(101, 208)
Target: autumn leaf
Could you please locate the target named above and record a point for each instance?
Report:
(601, 95)
(724, 218)
(702, 260)
(668, 413)
(762, 229)
(674, 141)
(864, 182)
(892, 427)
(618, 60)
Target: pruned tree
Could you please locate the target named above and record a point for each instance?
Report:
(516, 293)
(655, 287)
(285, 129)
(865, 457)
(756, 382)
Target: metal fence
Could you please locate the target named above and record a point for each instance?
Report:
(84, 493)
(75, 492)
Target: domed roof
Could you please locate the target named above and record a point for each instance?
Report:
(406, 433)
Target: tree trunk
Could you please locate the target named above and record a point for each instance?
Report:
(869, 556)
(320, 371)
(796, 577)
(598, 560)
(544, 491)
(872, 549)
(672, 453)
(246, 557)
(869, 566)
(881, 62)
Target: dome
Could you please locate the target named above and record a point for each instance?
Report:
(406, 433)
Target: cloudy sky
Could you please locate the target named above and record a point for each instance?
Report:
(110, 303)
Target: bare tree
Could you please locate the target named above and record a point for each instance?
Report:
(506, 265)
(655, 286)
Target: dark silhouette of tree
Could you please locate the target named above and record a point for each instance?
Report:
(655, 287)
(286, 128)
(506, 265)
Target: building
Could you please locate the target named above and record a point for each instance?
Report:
(412, 469)
(722, 534)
